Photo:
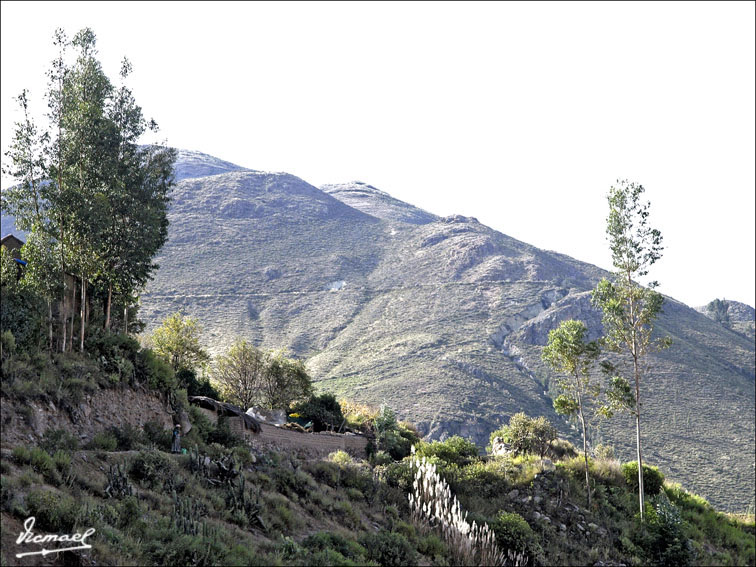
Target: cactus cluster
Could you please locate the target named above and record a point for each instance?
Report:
(187, 518)
(224, 471)
(118, 483)
(238, 498)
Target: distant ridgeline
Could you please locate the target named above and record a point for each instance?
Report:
(442, 319)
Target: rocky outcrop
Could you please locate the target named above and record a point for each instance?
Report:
(26, 422)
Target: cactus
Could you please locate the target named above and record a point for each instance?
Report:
(118, 483)
(186, 516)
(238, 498)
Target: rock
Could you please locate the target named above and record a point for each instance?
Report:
(580, 527)
(537, 499)
(499, 447)
(514, 493)
(562, 527)
(537, 515)
(593, 527)
(547, 465)
(546, 519)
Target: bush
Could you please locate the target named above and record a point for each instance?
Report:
(151, 467)
(454, 451)
(43, 463)
(604, 452)
(653, 480)
(388, 548)
(54, 512)
(222, 434)
(194, 386)
(127, 437)
(661, 538)
(326, 540)
(21, 455)
(116, 352)
(527, 435)
(59, 440)
(513, 532)
(156, 434)
(155, 371)
(104, 441)
(323, 411)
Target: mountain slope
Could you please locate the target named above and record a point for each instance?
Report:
(441, 319)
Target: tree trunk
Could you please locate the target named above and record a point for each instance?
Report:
(83, 312)
(64, 316)
(49, 326)
(107, 306)
(641, 497)
(585, 453)
(126, 320)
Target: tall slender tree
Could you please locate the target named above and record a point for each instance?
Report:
(94, 195)
(629, 309)
(570, 353)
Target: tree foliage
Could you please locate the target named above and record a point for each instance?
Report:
(251, 377)
(529, 435)
(629, 309)
(569, 353)
(93, 201)
(177, 340)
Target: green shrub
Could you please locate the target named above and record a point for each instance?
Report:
(604, 452)
(43, 463)
(454, 451)
(327, 540)
(340, 458)
(62, 461)
(54, 512)
(388, 548)
(194, 386)
(653, 479)
(323, 411)
(513, 532)
(151, 467)
(103, 441)
(661, 537)
(527, 435)
(21, 455)
(59, 440)
(157, 435)
(154, 370)
(200, 422)
(222, 434)
(129, 511)
(127, 437)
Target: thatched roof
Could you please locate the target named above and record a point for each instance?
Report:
(223, 408)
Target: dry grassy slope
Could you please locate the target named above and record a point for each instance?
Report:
(440, 319)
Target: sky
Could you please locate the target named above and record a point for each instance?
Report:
(519, 114)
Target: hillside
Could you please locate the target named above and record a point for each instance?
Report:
(232, 501)
(440, 318)
(734, 315)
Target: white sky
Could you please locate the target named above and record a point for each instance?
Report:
(520, 114)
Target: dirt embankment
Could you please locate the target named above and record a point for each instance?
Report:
(26, 422)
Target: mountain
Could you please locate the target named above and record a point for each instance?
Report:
(732, 314)
(443, 319)
(377, 203)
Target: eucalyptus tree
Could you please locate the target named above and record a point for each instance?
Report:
(569, 352)
(29, 202)
(138, 183)
(630, 309)
(94, 195)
